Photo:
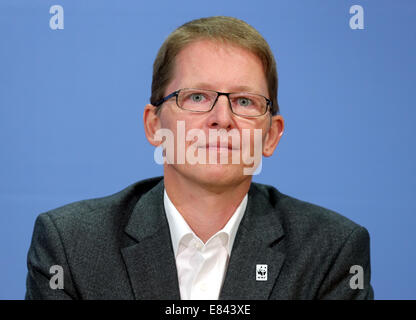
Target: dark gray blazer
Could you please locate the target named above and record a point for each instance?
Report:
(119, 247)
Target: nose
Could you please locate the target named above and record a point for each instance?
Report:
(221, 116)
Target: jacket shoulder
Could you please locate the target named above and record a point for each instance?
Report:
(97, 211)
(303, 218)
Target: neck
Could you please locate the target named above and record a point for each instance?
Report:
(204, 207)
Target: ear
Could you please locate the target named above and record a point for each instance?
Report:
(151, 124)
(273, 135)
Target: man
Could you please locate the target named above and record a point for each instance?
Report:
(204, 230)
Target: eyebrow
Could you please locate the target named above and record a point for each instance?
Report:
(205, 85)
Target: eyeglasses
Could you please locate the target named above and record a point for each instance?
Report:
(200, 100)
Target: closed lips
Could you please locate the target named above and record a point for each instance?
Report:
(220, 146)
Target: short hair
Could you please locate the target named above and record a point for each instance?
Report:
(219, 28)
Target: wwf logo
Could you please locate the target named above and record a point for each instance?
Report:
(261, 272)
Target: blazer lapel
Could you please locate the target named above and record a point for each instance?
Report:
(259, 240)
(149, 258)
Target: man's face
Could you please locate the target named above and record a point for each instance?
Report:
(225, 68)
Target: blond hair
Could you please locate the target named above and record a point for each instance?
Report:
(219, 28)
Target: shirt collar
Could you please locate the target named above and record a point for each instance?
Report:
(179, 228)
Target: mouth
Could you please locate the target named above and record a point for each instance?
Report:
(219, 146)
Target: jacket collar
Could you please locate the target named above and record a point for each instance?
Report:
(149, 260)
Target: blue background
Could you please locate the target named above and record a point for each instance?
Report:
(71, 106)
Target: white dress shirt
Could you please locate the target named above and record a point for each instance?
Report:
(201, 267)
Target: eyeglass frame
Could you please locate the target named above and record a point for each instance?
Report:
(269, 103)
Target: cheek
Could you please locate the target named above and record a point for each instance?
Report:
(169, 118)
(256, 125)
(265, 133)
(180, 126)
(265, 127)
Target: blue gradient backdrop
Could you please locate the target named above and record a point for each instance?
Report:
(71, 106)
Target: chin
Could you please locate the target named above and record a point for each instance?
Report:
(218, 174)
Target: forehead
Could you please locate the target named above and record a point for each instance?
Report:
(220, 66)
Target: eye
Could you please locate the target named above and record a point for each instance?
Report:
(197, 97)
(244, 102)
